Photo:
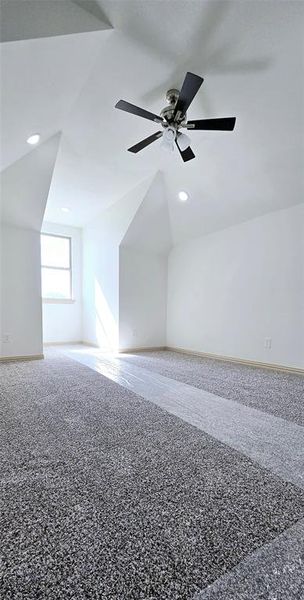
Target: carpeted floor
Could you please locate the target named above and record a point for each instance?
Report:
(106, 496)
(273, 572)
(275, 392)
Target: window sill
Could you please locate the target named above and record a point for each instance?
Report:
(58, 301)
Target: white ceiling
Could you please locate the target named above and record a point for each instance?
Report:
(251, 56)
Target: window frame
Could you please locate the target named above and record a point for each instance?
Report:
(49, 299)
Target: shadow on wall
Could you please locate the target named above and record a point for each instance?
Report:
(105, 324)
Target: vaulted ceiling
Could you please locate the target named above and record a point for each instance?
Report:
(65, 64)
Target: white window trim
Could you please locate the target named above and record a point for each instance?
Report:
(71, 300)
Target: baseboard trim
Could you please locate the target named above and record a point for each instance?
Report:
(79, 343)
(141, 349)
(242, 361)
(47, 344)
(5, 359)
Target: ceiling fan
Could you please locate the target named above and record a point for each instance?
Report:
(174, 117)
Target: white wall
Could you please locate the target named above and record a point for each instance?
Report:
(142, 299)
(62, 322)
(1, 275)
(143, 259)
(20, 291)
(24, 191)
(101, 241)
(230, 290)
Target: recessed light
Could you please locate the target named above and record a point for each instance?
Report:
(33, 139)
(65, 209)
(183, 196)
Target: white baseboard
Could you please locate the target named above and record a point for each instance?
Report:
(251, 363)
(6, 359)
(47, 344)
(243, 361)
(79, 343)
(141, 349)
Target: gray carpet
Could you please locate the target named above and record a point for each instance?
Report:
(106, 496)
(273, 572)
(276, 392)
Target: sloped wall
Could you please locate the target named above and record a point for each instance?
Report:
(24, 191)
(101, 241)
(143, 273)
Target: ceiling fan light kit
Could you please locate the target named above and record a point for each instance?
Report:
(173, 117)
(183, 141)
(168, 138)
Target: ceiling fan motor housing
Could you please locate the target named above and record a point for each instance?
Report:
(167, 113)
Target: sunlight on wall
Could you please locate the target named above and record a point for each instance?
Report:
(106, 325)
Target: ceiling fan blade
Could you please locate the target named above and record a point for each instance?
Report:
(141, 145)
(225, 124)
(186, 154)
(136, 110)
(190, 87)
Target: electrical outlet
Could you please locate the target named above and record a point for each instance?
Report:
(267, 343)
(6, 338)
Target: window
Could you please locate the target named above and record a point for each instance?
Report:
(56, 273)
